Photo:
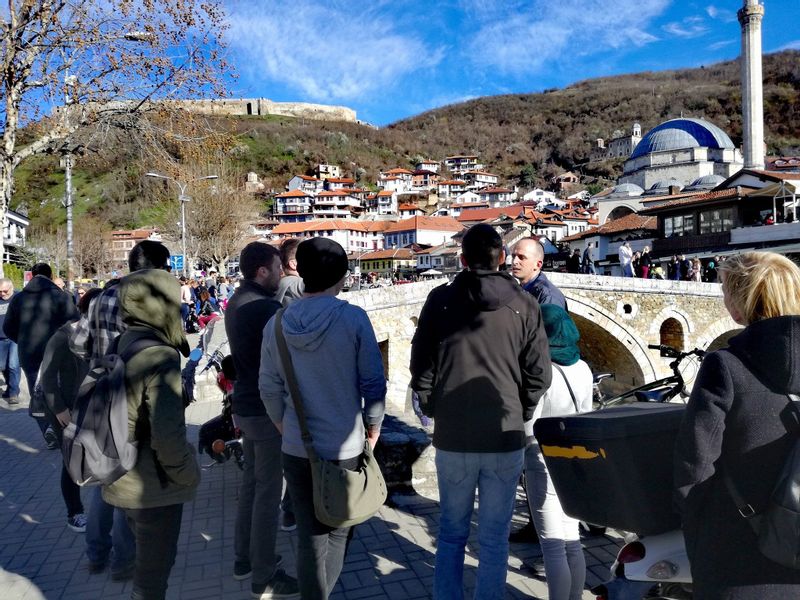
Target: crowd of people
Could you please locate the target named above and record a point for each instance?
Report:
(494, 350)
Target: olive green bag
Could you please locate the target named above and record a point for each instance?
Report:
(342, 497)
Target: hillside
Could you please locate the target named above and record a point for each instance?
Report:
(525, 138)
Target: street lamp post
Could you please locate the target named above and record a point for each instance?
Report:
(183, 198)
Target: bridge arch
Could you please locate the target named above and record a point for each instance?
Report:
(608, 346)
(716, 335)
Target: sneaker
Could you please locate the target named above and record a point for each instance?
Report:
(288, 522)
(77, 523)
(280, 586)
(524, 535)
(242, 569)
(123, 573)
(536, 566)
(51, 438)
(96, 567)
(12, 400)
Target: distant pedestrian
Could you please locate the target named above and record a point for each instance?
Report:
(9, 354)
(33, 316)
(574, 262)
(587, 264)
(696, 271)
(710, 274)
(684, 267)
(645, 263)
(480, 401)
(625, 255)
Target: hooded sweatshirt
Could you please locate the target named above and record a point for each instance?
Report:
(150, 304)
(340, 374)
(480, 359)
(738, 420)
(34, 315)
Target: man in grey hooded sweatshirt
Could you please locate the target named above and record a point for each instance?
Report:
(341, 379)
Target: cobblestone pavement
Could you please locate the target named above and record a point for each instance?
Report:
(391, 556)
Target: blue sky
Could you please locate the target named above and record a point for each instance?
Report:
(390, 59)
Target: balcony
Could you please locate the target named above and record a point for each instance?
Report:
(691, 243)
(765, 233)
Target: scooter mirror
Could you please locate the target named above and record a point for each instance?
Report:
(195, 355)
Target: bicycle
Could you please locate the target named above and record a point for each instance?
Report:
(660, 390)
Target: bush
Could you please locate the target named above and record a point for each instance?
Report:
(15, 274)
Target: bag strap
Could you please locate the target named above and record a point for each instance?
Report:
(291, 379)
(745, 508)
(569, 387)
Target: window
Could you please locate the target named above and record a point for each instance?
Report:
(679, 226)
(716, 221)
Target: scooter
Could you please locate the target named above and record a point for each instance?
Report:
(655, 566)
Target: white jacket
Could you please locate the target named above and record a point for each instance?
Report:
(557, 400)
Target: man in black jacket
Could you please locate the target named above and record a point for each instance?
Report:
(252, 305)
(32, 318)
(480, 361)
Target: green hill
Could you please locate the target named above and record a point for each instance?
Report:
(525, 138)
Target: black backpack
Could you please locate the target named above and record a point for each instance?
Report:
(97, 447)
(777, 527)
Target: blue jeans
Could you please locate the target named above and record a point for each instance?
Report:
(9, 363)
(108, 527)
(495, 475)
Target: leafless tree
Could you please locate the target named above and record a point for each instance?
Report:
(103, 61)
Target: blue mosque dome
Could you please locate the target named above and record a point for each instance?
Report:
(677, 134)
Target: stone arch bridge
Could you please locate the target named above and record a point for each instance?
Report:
(617, 317)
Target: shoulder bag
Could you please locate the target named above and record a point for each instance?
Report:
(342, 498)
(777, 527)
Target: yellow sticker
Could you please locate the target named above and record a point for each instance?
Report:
(573, 452)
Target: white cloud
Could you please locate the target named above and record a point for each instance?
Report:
(325, 52)
(720, 14)
(524, 37)
(688, 29)
(721, 44)
(795, 45)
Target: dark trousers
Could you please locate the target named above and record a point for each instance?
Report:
(31, 375)
(320, 549)
(156, 531)
(70, 491)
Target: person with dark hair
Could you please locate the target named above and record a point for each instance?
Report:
(574, 261)
(251, 306)
(343, 401)
(148, 254)
(290, 287)
(61, 376)
(480, 361)
(526, 266)
(90, 341)
(33, 316)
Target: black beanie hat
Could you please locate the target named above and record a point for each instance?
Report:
(321, 263)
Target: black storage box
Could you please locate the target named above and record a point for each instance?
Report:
(613, 467)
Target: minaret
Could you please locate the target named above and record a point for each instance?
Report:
(750, 16)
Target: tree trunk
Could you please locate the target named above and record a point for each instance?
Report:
(6, 186)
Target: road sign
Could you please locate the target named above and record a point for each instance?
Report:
(176, 262)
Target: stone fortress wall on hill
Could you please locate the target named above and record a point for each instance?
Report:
(264, 107)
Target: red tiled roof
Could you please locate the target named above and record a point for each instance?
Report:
(297, 193)
(341, 179)
(430, 223)
(398, 171)
(319, 225)
(629, 222)
(306, 178)
(697, 199)
(386, 193)
(453, 182)
(398, 253)
(485, 214)
(470, 205)
(408, 207)
(330, 193)
(495, 190)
